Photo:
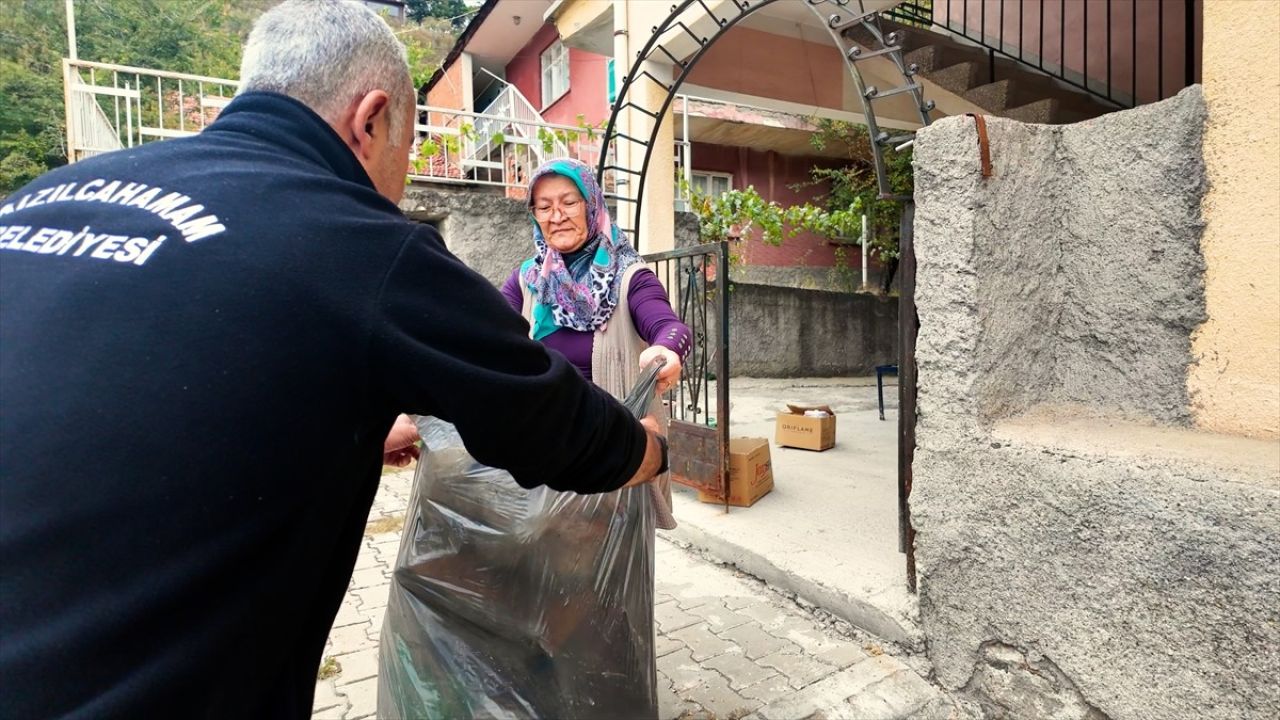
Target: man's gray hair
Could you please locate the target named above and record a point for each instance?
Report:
(326, 53)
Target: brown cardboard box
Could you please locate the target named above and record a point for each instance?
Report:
(750, 473)
(807, 433)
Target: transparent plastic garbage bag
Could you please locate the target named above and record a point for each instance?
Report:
(514, 603)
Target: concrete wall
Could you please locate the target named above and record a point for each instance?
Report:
(1082, 552)
(1235, 387)
(788, 332)
(491, 233)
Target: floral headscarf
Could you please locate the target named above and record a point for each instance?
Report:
(582, 294)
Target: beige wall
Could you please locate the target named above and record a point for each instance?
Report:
(1235, 388)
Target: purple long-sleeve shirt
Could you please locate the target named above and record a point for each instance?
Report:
(651, 314)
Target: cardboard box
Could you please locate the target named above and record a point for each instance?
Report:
(796, 430)
(750, 473)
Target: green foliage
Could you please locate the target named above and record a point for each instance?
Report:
(426, 46)
(548, 138)
(853, 191)
(456, 12)
(177, 35)
(202, 38)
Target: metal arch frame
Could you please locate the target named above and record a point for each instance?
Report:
(835, 23)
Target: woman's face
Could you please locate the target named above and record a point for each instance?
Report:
(560, 212)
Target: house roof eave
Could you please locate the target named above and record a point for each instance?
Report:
(459, 45)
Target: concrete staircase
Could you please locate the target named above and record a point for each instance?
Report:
(1006, 88)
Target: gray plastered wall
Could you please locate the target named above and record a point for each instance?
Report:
(1081, 552)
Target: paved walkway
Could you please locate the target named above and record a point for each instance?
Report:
(728, 647)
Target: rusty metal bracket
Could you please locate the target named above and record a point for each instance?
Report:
(984, 145)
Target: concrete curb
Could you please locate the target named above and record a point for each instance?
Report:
(855, 611)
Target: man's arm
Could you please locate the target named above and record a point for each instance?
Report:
(447, 344)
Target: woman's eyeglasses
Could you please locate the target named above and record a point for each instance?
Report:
(569, 208)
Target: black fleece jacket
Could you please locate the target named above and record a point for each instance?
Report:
(203, 343)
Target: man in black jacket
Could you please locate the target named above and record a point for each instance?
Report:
(203, 344)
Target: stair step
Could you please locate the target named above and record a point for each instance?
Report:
(1050, 111)
(958, 78)
(1040, 112)
(964, 69)
(999, 96)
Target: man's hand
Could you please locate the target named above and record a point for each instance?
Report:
(400, 448)
(669, 375)
(652, 454)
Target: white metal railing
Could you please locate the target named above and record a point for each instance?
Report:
(457, 146)
(115, 106)
(109, 107)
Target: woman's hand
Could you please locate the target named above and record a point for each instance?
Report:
(669, 375)
(400, 447)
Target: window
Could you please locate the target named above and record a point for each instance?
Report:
(710, 184)
(555, 73)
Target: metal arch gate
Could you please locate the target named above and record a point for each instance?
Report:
(844, 15)
(838, 16)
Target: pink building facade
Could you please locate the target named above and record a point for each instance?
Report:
(732, 66)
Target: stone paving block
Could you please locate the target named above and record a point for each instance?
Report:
(351, 638)
(899, 695)
(670, 705)
(367, 558)
(766, 613)
(841, 655)
(327, 699)
(375, 623)
(828, 696)
(803, 632)
(367, 578)
(363, 697)
(669, 618)
(682, 669)
(769, 690)
(665, 645)
(701, 642)
(738, 602)
(715, 696)
(719, 618)
(801, 670)
(348, 614)
(738, 670)
(356, 666)
(755, 642)
(694, 601)
(372, 597)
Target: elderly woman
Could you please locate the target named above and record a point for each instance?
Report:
(583, 270)
(515, 603)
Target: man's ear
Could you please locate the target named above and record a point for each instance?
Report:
(369, 124)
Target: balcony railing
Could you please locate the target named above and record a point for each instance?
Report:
(116, 106)
(500, 147)
(109, 107)
(1125, 52)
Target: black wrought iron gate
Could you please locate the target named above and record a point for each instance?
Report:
(692, 439)
(697, 279)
